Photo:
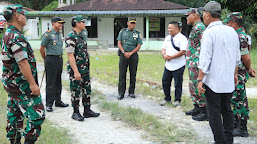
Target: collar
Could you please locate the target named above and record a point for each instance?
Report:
(214, 24)
(176, 35)
(55, 31)
(239, 30)
(13, 27)
(129, 30)
(197, 23)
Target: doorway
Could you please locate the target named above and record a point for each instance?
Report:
(119, 23)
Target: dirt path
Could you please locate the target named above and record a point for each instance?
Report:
(175, 115)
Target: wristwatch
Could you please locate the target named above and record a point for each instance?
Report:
(123, 52)
(199, 80)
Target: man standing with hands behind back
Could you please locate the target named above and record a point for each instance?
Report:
(218, 64)
(129, 42)
(52, 42)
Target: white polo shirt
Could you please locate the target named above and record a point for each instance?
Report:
(180, 41)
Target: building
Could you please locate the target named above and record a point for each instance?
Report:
(107, 17)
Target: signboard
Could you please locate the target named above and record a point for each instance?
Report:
(154, 24)
(2, 22)
(88, 21)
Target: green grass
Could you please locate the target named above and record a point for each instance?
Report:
(159, 132)
(49, 134)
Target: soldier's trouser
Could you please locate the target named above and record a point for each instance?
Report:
(132, 62)
(20, 107)
(218, 104)
(166, 83)
(53, 67)
(239, 99)
(196, 98)
(81, 88)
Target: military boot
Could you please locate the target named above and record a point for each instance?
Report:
(76, 115)
(27, 141)
(89, 113)
(241, 130)
(16, 141)
(202, 116)
(236, 121)
(194, 111)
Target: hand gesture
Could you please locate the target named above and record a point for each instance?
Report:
(201, 90)
(252, 72)
(236, 80)
(77, 76)
(35, 89)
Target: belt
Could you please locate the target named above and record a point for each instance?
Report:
(60, 56)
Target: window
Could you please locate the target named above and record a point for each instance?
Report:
(48, 26)
(92, 30)
(156, 27)
(37, 28)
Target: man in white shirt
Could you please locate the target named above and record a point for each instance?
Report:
(173, 51)
(218, 63)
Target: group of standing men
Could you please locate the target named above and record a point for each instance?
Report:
(20, 78)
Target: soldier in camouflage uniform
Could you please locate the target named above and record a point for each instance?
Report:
(199, 112)
(20, 80)
(78, 69)
(239, 98)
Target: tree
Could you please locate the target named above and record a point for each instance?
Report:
(190, 3)
(53, 5)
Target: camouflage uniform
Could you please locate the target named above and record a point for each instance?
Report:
(239, 98)
(75, 43)
(20, 102)
(192, 61)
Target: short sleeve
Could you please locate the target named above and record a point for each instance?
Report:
(164, 43)
(70, 45)
(139, 40)
(19, 49)
(45, 40)
(243, 45)
(119, 38)
(183, 43)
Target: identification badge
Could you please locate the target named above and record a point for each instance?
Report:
(135, 35)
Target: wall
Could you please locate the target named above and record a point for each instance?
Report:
(31, 29)
(105, 31)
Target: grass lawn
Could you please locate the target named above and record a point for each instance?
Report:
(49, 134)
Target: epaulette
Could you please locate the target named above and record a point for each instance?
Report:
(124, 29)
(137, 31)
(49, 31)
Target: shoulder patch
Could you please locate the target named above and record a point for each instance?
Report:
(45, 34)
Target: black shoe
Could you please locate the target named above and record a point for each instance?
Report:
(120, 97)
(49, 108)
(77, 117)
(194, 111)
(90, 113)
(200, 117)
(29, 141)
(132, 95)
(241, 130)
(16, 141)
(61, 104)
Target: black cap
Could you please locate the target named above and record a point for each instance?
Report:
(57, 19)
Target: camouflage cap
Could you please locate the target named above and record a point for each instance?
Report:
(192, 11)
(233, 15)
(14, 8)
(78, 18)
(132, 19)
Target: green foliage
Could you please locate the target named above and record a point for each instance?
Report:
(1, 34)
(53, 5)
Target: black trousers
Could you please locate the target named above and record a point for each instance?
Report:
(166, 83)
(220, 116)
(124, 63)
(53, 67)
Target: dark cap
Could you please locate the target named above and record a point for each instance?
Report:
(57, 19)
(234, 16)
(213, 7)
(132, 19)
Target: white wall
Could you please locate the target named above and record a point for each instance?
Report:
(45, 21)
(106, 31)
(31, 29)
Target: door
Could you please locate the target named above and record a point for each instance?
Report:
(119, 23)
